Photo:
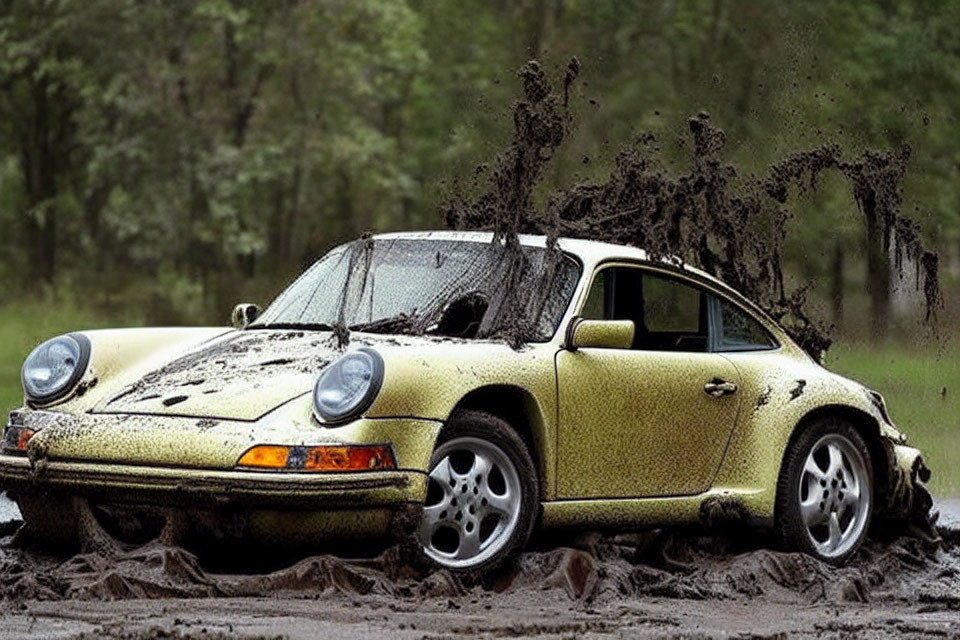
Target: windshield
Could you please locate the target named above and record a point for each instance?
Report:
(439, 287)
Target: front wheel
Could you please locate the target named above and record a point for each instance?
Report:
(481, 502)
(825, 492)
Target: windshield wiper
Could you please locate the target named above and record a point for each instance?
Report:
(301, 326)
(400, 323)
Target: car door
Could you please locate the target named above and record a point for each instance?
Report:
(653, 420)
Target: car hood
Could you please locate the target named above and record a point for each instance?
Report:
(242, 375)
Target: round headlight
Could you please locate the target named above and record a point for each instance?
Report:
(55, 367)
(348, 386)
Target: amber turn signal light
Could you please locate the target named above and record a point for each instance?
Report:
(265, 456)
(319, 458)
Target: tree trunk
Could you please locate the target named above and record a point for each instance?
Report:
(543, 14)
(878, 278)
(39, 165)
(344, 208)
(836, 285)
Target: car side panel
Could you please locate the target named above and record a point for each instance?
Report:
(636, 424)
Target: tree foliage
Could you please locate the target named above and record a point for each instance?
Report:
(172, 155)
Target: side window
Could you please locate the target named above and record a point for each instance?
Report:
(737, 331)
(593, 307)
(669, 315)
(674, 316)
(670, 306)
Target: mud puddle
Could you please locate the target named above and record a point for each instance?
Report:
(669, 583)
(589, 568)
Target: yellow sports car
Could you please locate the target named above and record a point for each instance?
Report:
(377, 395)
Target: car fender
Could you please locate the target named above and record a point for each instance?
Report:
(429, 382)
(780, 392)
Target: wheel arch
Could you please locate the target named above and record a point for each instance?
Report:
(865, 424)
(520, 409)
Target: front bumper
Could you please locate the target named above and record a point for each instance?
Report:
(183, 469)
(208, 487)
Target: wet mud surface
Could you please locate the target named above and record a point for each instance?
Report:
(651, 584)
(569, 584)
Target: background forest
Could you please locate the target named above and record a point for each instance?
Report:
(161, 161)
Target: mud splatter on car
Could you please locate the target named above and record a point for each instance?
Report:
(710, 214)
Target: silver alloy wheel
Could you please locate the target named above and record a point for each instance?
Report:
(473, 503)
(835, 495)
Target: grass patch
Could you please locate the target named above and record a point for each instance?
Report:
(921, 385)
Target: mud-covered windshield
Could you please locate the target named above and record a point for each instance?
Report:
(437, 287)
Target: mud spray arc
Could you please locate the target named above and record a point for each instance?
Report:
(709, 214)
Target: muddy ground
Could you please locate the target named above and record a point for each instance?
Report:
(647, 585)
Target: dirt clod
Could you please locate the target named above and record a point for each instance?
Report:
(797, 390)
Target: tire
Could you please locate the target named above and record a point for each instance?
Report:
(482, 499)
(825, 494)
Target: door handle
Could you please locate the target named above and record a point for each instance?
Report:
(718, 387)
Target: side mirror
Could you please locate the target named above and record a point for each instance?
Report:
(243, 314)
(600, 334)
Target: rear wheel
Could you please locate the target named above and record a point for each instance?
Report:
(481, 502)
(825, 492)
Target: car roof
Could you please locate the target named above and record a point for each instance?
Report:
(594, 252)
(589, 251)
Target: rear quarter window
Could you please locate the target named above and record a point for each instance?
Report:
(738, 331)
